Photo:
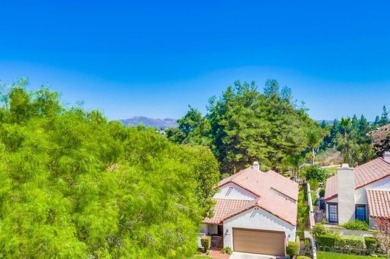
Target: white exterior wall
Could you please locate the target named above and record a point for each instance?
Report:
(256, 219)
(346, 194)
(234, 192)
(360, 194)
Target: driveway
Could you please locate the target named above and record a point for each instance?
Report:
(238, 255)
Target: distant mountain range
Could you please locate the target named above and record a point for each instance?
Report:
(149, 122)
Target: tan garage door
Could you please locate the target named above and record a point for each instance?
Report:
(258, 241)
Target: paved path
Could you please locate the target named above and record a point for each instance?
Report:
(237, 255)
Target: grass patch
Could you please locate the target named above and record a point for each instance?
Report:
(329, 255)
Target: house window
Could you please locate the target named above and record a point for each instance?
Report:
(360, 212)
(332, 213)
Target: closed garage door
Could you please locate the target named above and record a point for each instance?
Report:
(258, 241)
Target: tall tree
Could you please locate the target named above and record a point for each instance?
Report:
(247, 125)
(384, 117)
(77, 186)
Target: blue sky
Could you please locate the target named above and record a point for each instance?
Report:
(155, 58)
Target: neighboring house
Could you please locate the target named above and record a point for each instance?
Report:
(255, 212)
(359, 193)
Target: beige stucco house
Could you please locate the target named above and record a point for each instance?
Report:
(255, 212)
(359, 193)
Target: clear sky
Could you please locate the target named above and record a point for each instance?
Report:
(154, 58)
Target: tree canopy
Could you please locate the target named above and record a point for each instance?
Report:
(245, 125)
(74, 185)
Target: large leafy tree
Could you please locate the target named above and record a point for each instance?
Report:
(75, 185)
(244, 125)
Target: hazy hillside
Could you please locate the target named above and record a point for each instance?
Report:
(149, 122)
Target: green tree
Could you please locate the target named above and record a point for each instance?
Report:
(384, 117)
(77, 186)
(247, 125)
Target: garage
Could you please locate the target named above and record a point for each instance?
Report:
(259, 241)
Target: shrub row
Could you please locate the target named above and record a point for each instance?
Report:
(356, 225)
(332, 240)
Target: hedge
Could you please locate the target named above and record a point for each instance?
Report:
(206, 242)
(371, 244)
(356, 225)
(351, 241)
(293, 248)
(326, 240)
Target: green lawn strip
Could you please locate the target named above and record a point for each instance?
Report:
(329, 255)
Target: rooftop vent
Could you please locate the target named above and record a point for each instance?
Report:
(256, 166)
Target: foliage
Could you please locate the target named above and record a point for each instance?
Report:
(226, 250)
(313, 186)
(315, 173)
(322, 193)
(303, 257)
(293, 249)
(193, 129)
(351, 241)
(383, 235)
(350, 137)
(328, 240)
(319, 230)
(205, 242)
(356, 225)
(371, 244)
(303, 209)
(77, 186)
(245, 125)
(329, 255)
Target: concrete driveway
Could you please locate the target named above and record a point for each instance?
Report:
(238, 255)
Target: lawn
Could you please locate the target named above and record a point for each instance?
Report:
(329, 255)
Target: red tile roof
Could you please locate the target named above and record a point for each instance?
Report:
(365, 174)
(276, 194)
(378, 203)
(259, 183)
(224, 208)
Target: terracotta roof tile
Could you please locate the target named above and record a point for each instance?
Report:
(260, 183)
(224, 208)
(364, 174)
(371, 172)
(378, 203)
(276, 194)
(331, 187)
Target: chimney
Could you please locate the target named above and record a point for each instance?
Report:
(256, 166)
(346, 194)
(386, 156)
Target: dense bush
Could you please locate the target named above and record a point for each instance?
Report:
(303, 209)
(226, 250)
(315, 173)
(293, 249)
(303, 257)
(205, 242)
(371, 244)
(351, 241)
(356, 225)
(319, 230)
(313, 184)
(74, 185)
(326, 240)
(322, 193)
